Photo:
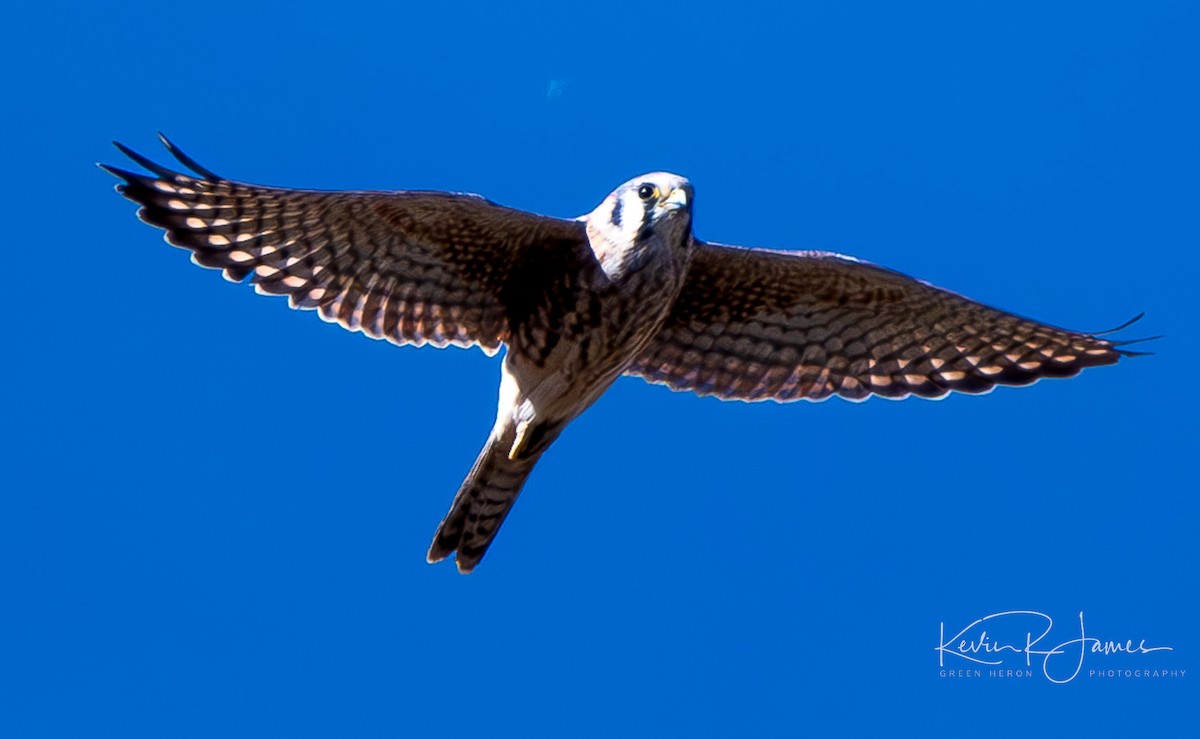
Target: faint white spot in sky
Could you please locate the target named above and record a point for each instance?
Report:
(555, 88)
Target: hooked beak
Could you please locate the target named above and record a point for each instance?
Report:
(677, 199)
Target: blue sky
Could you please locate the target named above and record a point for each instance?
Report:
(215, 509)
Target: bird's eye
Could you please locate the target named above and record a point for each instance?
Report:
(647, 191)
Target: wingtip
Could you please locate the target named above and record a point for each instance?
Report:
(146, 163)
(1116, 345)
(121, 148)
(124, 149)
(166, 142)
(115, 172)
(1125, 325)
(1134, 353)
(1128, 342)
(186, 160)
(121, 174)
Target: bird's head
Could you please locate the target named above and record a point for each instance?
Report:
(657, 200)
(653, 209)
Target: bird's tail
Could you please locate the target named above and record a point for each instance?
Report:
(483, 501)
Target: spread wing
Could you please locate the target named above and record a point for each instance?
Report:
(753, 324)
(409, 267)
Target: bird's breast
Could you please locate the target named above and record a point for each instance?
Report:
(598, 325)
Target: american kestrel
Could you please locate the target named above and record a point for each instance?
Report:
(625, 289)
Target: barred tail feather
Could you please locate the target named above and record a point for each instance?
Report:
(482, 503)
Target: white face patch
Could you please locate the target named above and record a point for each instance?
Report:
(633, 214)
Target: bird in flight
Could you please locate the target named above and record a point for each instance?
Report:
(626, 289)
